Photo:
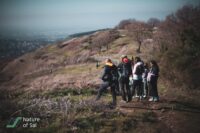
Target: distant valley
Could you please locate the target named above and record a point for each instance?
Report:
(17, 44)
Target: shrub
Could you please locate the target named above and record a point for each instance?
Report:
(177, 40)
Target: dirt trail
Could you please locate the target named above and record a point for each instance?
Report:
(174, 115)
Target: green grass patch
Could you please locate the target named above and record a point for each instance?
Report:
(69, 91)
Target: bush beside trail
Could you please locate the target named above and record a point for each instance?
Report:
(178, 40)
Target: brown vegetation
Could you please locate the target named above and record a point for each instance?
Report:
(137, 29)
(177, 42)
(104, 39)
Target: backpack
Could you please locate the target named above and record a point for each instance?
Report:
(114, 73)
(125, 71)
(139, 69)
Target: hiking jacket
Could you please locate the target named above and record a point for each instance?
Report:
(127, 64)
(107, 76)
(153, 73)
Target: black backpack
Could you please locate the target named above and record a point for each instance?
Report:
(114, 73)
(139, 69)
(125, 71)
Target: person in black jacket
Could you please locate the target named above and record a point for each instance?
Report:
(109, 80)
(125, 71)
(152, 79)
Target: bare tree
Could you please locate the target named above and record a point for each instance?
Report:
(124, 23)
(140, 31)
(103, 39)
(153, 22)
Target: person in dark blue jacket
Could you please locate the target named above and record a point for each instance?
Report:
(125, 71)
(152, 79)
(109, 80)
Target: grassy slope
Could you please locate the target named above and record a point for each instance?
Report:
(59, 85)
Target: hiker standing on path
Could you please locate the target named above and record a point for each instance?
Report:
(144, 80)
(125, 71)
(152, 79)
(131, 77)
(137, 77)
(109, 80)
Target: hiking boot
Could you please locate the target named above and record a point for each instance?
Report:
(129, 100)
(144, 96)
(140, 97)
(136, 96)
(151, 99)
(155, 99)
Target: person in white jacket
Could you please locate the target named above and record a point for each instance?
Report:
(137, 77)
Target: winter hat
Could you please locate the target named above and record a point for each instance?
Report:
(124, 56)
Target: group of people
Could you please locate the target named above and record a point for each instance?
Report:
(131, 78)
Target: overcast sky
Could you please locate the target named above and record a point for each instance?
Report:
(81, 15)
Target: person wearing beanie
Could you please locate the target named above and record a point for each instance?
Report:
(125, 71)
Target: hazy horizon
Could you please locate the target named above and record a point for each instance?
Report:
(75, 16)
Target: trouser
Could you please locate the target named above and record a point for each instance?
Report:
(145, 87)
(125, 88)
(153, 90)
(103, 87)
(137, 84)
(117, 89)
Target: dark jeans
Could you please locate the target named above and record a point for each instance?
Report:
(145, 87)
(137, 84)
(125, 88)
(153, 90)
(103, 87)
(117, 89)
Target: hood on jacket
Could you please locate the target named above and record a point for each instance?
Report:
(135, 66)
(109, 64)
(139, 63)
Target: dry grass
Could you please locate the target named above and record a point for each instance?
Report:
(52, 48)
(77, 69)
